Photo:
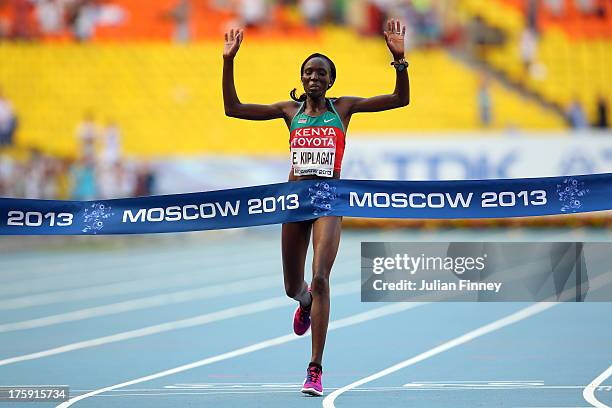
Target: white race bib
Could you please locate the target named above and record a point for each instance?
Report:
(313, 151)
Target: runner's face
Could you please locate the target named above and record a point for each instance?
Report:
(316, 77)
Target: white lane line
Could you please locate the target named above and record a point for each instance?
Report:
(243, 286)
(136, 285)
(522, 314)
(250, 392)
(589, 390)
(239, 387)
(37, 263)
(276, 341)
(159, 394)
(80, 276)
(83, 275)
(273, 386)
(114, 289)
(93, 265)
(260, 282)
(62, 266)
(238, 311)
(479, 383)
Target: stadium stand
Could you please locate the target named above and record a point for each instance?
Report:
(167, 98)
(572, 51)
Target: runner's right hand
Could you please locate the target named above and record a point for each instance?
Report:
(233, 39)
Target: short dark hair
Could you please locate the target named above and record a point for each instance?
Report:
(332, 74)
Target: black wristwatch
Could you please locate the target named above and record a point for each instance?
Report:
(400, 65)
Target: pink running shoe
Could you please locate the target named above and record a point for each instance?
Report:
(312, 384)
(301, 320)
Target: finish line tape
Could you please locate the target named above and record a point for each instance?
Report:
(306, 200)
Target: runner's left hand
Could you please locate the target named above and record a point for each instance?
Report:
(394, 35)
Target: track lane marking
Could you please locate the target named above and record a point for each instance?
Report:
(109, 289)
(75, 280)
(206, 292)
(150, 301)
(225, 314)
(522, 314)
(275, 341)
(589, 391)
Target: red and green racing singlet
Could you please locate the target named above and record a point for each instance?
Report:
(317, 142)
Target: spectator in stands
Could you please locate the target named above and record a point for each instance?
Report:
(50, 16)
(181, 14)
(481, 37)
(252, 12)
(41, 176)
(576, 116)
(107, 181)
(8, 122)
(115, 180)
(62, 179)
(556, 7)
(18, 179)
(5, 21)
(48, 189)
(83, 180)
(602, 113)
(145, 181)
(129, 178)
(451, 22)
(220, 4)
(313, 11)
(111, 138)
(586, 6)
(109, 169)
(35, 171)
(87, 136)
(339, 10)
(7, 168)
(83, 19)
(377, 11)
(484, 102)
(532, 14)
(528, 47)
(11, 177)
(427, 24)
(405, 11)
(21, 26)
(603, 8)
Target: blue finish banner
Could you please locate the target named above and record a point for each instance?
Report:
(306, 200)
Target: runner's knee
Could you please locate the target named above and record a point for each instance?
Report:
(292, 290)
(320, 284)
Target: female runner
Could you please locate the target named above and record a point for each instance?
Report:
(308, 117)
